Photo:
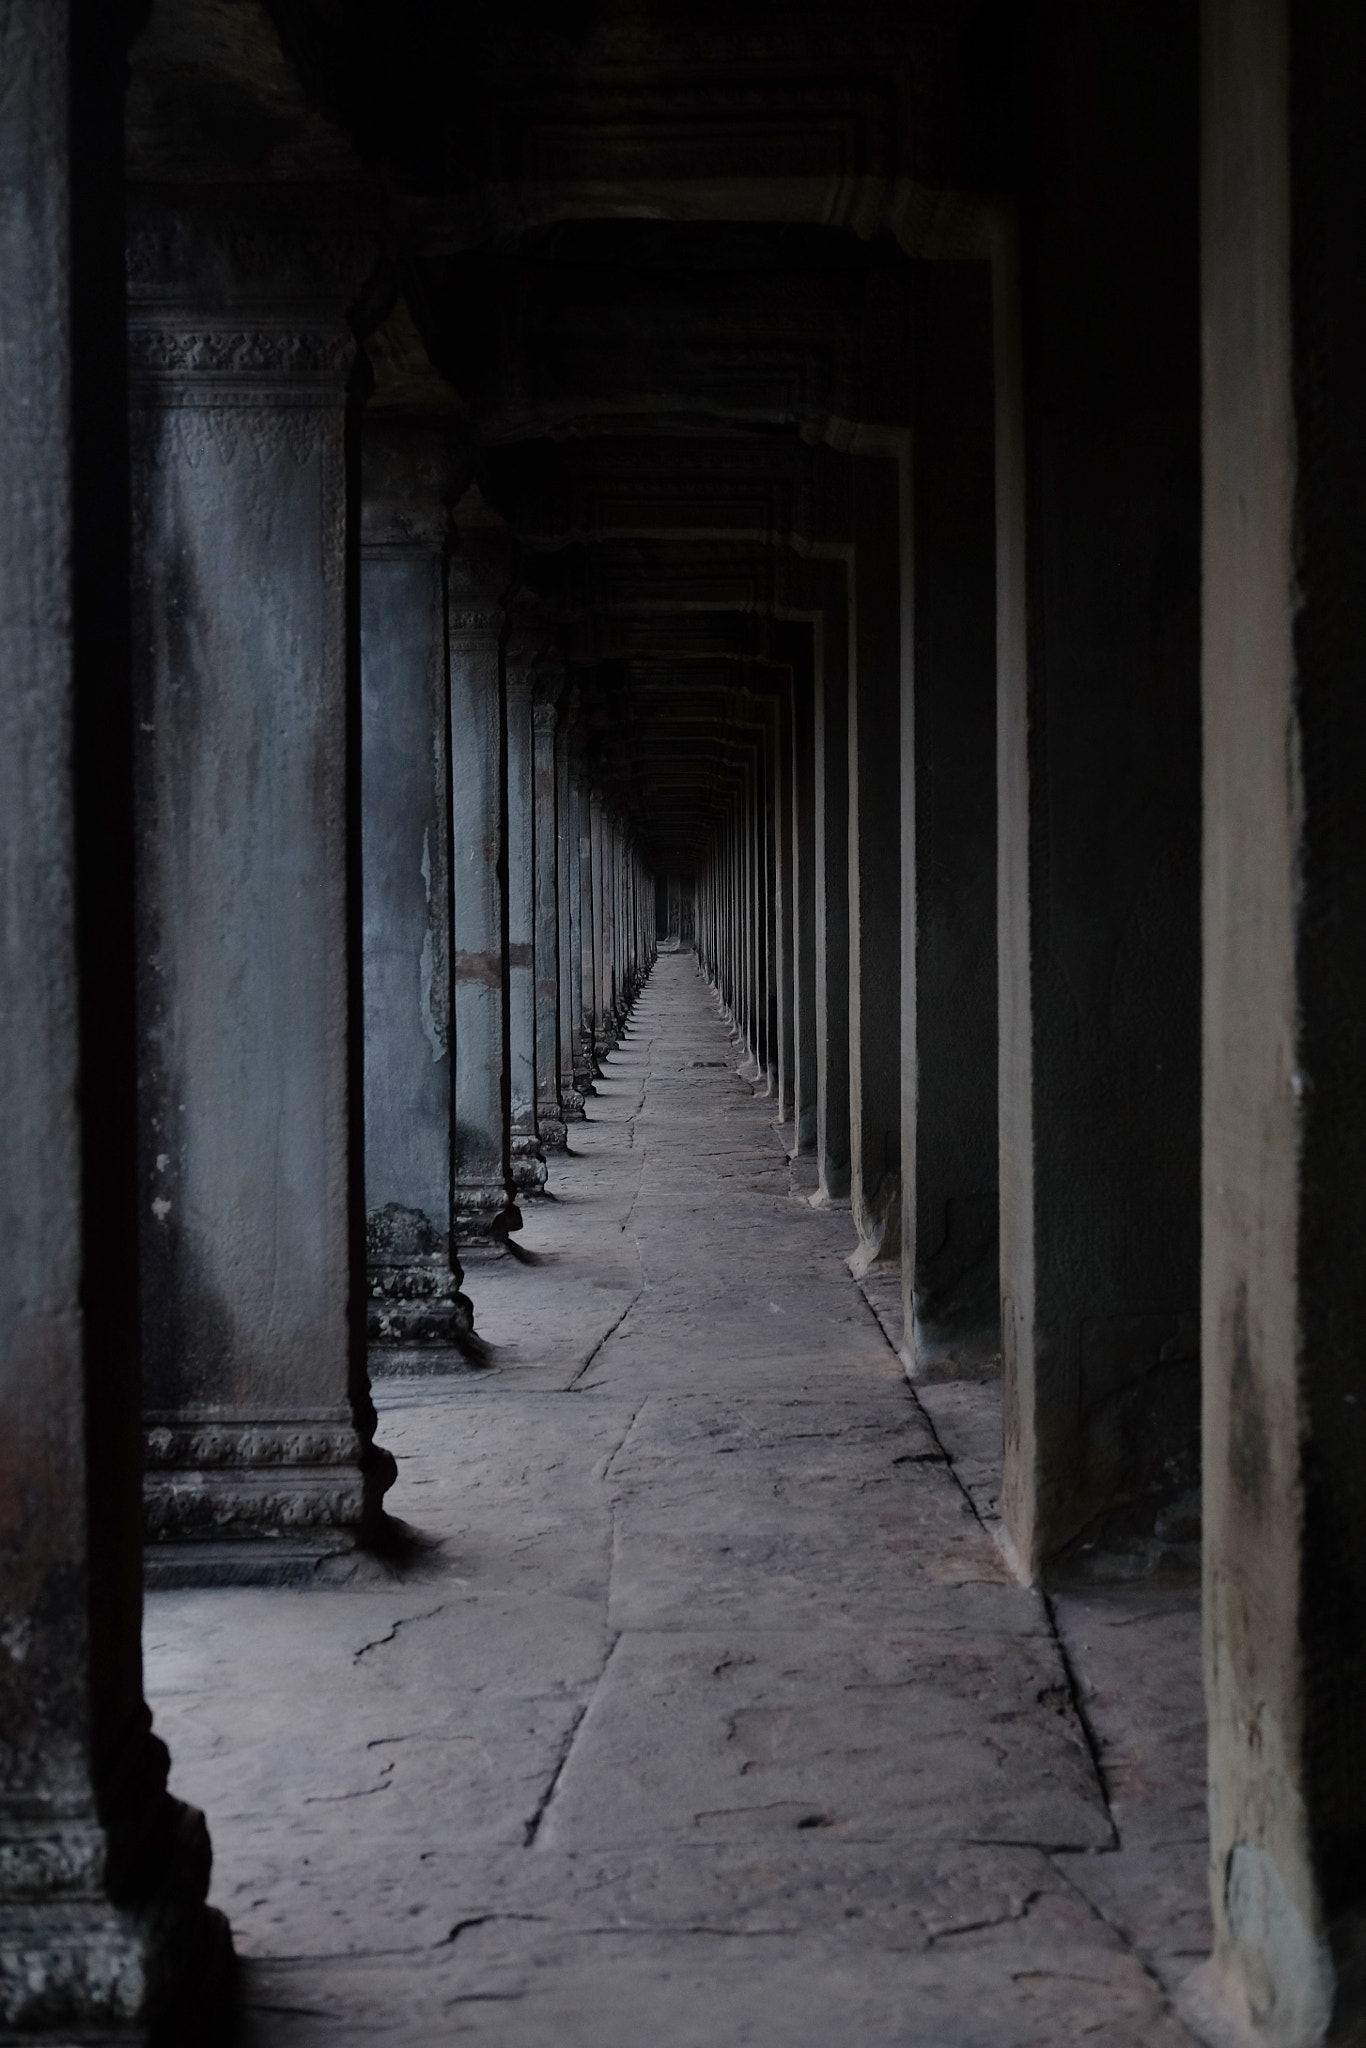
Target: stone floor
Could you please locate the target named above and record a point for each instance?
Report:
(711, 1715)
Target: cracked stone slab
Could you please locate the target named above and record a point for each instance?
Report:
(705, 1710)
(741, 1737)
(1055, 1978)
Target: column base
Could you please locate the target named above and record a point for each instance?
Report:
(878, 1221)
(309, 1479)
(483, 1213)
(528, 1165)
(156, 1972)
(416, 1303)
(550, 1126)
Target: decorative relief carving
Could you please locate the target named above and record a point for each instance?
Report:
(476, 621)
(333, 482)
(240, 352)
(252, 1445)
(236, 1503)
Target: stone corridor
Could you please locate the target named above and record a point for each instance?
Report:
(708, 1712)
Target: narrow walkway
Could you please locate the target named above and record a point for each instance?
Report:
(715, 1717)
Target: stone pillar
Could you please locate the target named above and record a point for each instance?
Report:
(412, 1273)
(735, 902)
(804, 1090)
(875, 863)
(481, 1171)
(831, 696)
(581, 914)
(1098, 747)
(617, 927)
(258, 1413)
(950, 1200)
(785, 979)
(528, 1156)
(771, 953)
(726, 912)
(756, 907)
(549, 1112)
(749, 915)
(593, 958)
(1283, 1320)
(103, 1928)
(568, 937)
(617, 882)
(604, 929)
(747, 904)
(627, 872)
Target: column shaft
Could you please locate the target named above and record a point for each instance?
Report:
(528, 1157)
(568, 939)
(875, 861)
(481, 1170)
(102, 1876)
(785, 979)
(804, 1088)
(549, 1112)
(412, 1273)
(1099, 762)
(1283, 1314)
(831, 689)
(950, 1196)
(259, 1420)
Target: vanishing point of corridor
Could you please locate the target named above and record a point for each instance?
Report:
(708, 1712)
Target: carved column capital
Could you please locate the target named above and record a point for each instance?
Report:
(228, 310)
(411, 475)
(480, 569)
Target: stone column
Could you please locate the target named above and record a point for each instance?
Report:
(1098, 748)
(627, 897)
(258, 1413)
(785, 977)
(745, 909)
(604, 922)
(528, 1156)
(804, 891)
(588, 972)
(740, 857)
(950, 1200)
(734, 902)
(754, 909)
(103, 1929)
(875, 864)
(751, 914)
(481, 1172)
(549, 1111)
(723, 910)
(581, 926)
(593, 953)
(616, 1005)
(412, 1272)
(568, 939)
(1283, 1319)
(773, 903)
(831, 695)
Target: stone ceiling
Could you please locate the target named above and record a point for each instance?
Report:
(650, 270)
